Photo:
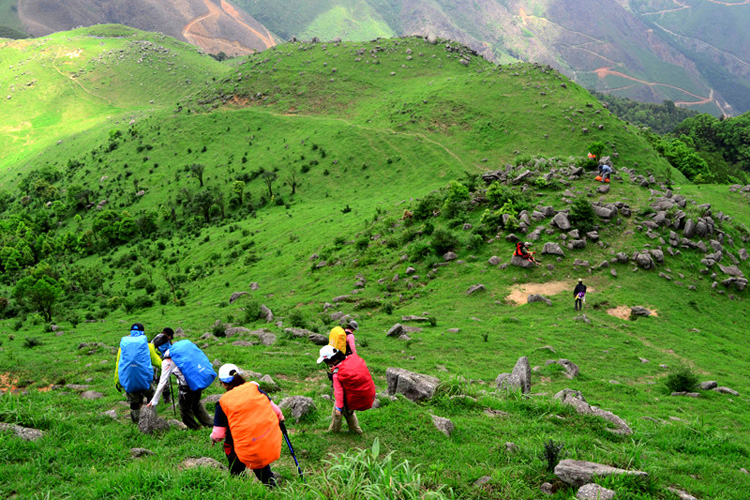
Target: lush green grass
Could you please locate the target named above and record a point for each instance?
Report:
(377, 144)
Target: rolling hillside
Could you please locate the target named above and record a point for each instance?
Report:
(381, 181)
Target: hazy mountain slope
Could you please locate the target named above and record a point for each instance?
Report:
(213, 25)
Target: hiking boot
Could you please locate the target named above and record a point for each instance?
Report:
(353, 423)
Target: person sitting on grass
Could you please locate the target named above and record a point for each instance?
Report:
(250, 424)
(522, 250)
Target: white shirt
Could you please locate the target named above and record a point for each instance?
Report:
(168, 367)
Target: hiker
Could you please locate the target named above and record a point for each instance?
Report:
(249, 423)
(580, 294)
(134, 369)
(522, 250)
(604, 172)
(162, 342)
(193, 372)
(353, 388)
(352, 327)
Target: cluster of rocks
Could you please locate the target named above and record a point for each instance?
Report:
(710, 385)
(577, 401)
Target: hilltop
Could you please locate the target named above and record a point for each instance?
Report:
(380, 181)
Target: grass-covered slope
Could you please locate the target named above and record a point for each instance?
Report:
(362, 147)
(74, 81)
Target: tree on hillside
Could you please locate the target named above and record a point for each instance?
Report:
(202, 203)
(197, 170)
(79, 196)
(38, 294)
(238, 187)
(268, 177)
(292, 180)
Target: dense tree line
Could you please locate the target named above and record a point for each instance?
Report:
(661, 118)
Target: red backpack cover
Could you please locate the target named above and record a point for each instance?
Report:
(355, 378)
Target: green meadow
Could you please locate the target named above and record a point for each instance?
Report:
(297, 169)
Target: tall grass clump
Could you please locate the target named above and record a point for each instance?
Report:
(361, 474)
(682, 379)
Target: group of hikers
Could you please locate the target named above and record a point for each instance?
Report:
(248, 422)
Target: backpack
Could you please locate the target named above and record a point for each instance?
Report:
(134, 371)
(337, 339)
(194, 365)
(355, 378)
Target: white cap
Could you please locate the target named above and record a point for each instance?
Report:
(227, 372)
(327, 352)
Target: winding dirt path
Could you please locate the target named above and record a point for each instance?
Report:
(266, 38)
(190, 34)
(605, 72)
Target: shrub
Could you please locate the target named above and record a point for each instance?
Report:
(582, 215)
(219, 329)
(551, 454)
(297, 318)
(683, 379)
(252, 312)
(31, 342)
(443, 241)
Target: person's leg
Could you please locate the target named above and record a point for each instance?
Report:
(186, 408)
(200, 411)
(578, 304)
(335, 422)
(235, 466)
(135, 400)
(265, 476)
(352, 422)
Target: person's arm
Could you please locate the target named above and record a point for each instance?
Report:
(338, 393)
(221, 424)
(155, 359)
(277, 411)
(166, 370)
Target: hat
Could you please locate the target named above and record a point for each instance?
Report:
(227, 372)
(168, 332)
(137, 330)
(327, 352)
(353, 325)
(580, 280)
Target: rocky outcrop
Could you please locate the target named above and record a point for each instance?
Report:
(578, 472)
(577, 401)
(414, 386)
(519, 378)
(552, 249)
(299, 406)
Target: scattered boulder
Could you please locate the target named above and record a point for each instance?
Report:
(177, 424)
(414, 386)
(476, 288)
(579, 472)
(235, 330)
(266, 313)
(708, 385)
(140, 452)
(318, 339)
(519, 378)
(268, 384)
(91, 395)
(577, 401)
(449, 256)
(299, 333)
(25, 433)
(236, 295)
(444, 425)
(725, 390)
(267, 338)
(299, 406)
(538, 298)
(552, 249)
(571, 369)
(395, 331)
(149, 422)
(636, 311)
(109, 413)
(418, 319)
(521, 262)
(593, 491)
(561, 221)
(494, 260)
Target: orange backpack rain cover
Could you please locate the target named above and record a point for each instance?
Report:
(254, 425)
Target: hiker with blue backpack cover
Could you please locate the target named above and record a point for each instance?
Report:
(193, 372)
(134, 369)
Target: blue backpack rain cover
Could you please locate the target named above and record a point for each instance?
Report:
(193, 364)
(135, 370)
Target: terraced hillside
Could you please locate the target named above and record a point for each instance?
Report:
(384, 181)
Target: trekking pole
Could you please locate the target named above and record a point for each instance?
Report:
(291, 450)
(171, 396)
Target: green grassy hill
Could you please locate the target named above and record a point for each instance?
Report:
(200, 204)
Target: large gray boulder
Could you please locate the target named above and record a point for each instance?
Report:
(519, 378)
(395, 331)
(25, 433)
(577, 401)
(579, 472)
(521, 262)
(299, 406)
(639, 311)
(571, 369)
(149, 422)
(552, 249)
(266, 313)
(444, 425)
(235, 296)
(645, 261)
(318, 339)
(414, 386)
(561, 221)
(299, 333)
(538, 298)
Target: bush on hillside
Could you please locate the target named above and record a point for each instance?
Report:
(443, 241)
(683, 379)
(582, 215)
(252, 312)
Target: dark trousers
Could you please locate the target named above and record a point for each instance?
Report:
(264, 475)
(579, 304)
(192, 409)
(135, 400)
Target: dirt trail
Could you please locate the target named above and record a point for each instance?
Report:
(520, 293)
(77, 54)
(267, 39)
(604, 72)
(623, 312)
(214, 11)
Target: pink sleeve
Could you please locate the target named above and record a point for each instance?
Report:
(219, 433)
(277, 411)
(350, 341)
(338, 392)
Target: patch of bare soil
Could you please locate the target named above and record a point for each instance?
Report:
(519, 294)
(623, 312)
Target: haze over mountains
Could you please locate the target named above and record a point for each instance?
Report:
(692, 52)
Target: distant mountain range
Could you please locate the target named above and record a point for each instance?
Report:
(693, 52)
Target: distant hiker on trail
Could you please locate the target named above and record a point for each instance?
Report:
(250, 424)
(353, 388)
(522, 250)
(134, 369)
(194, 373)
(580, 294)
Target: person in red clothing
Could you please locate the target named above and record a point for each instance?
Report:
(250, 424)
(522, 250)
(351, 348)
(353, 388)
